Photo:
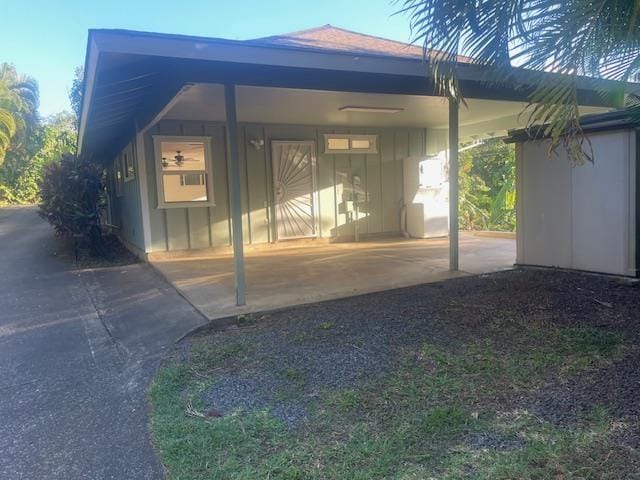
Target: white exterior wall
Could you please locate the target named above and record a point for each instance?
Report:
(578, 217)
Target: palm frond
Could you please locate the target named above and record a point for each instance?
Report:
(19, 99)
(7, 131)
(572, 38)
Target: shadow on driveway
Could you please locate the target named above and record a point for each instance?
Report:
(77, 352)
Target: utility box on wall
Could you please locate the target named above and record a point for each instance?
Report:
(579, 217)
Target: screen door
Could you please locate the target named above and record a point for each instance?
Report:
(293, 185)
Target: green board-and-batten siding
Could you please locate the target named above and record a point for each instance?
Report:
(202, 227)
(126, 211)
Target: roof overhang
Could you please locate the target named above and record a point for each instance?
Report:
(131, 76)
(622, 119)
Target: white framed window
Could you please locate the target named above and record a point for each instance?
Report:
(118, 176)
(347, 143)
(183, 171)
(128, 164)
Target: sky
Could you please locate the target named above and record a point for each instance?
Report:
(46, 39)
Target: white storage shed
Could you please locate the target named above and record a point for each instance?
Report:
(580, 217)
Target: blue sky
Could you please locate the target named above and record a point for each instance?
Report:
(46, 38)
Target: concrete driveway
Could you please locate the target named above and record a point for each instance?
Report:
(77, 352)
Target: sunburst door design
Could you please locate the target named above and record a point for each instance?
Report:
(294, 181)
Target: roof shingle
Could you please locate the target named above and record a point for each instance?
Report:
(334, 39)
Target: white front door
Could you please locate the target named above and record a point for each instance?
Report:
(293, 185)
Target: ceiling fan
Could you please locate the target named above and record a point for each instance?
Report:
(179, 159)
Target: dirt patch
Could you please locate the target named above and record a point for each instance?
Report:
(113, 254)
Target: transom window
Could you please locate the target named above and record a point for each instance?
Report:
(346, 143)
(183, 166)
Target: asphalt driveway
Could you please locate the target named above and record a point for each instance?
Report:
(77, 352)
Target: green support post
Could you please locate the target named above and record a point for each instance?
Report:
(235, 199)
(454, 167)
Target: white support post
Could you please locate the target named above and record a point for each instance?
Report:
(453, 185)
(234, 179)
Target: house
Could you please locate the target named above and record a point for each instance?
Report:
(580, 217)
(322, 134)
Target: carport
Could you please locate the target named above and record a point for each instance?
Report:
(239, 102)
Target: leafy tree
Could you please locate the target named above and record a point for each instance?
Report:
(27, 143)
(487, 187)
(22, 170)
(76, 92)
(593, 38)
(19, 99)
(8, 125)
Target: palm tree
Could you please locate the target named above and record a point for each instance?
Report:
(7, 121)
(19, 99)
(592, 38)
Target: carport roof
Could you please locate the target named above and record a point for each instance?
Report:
(131, 77)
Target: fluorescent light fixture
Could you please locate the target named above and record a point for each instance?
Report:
(362, 108)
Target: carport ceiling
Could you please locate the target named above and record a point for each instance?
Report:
(205, 102)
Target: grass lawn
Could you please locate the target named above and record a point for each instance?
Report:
(523, 374)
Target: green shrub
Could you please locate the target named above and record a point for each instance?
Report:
(72, 196)
(6, 195)
(487, 187)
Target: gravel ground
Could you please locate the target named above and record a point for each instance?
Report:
(233, 392)
(493, 441)
(350, 342)
(616, 388)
